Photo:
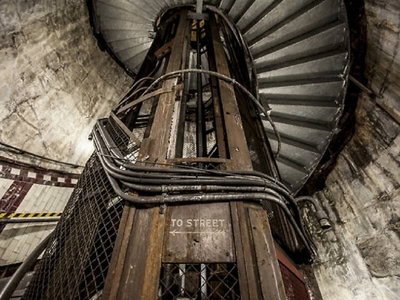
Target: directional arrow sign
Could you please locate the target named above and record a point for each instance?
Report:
(175, 232)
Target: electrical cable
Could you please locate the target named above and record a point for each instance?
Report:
(21, 151)
(266, 113)
(256, 190)
(28, 263)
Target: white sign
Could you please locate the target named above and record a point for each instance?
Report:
(211, 226)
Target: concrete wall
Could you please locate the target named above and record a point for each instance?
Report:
(54, 81)
(54, 84)
(360, 257)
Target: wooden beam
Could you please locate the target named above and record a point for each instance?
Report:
(143, 239)
(253, 279)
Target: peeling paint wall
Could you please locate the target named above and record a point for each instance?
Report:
(360, 257)
(54, 81)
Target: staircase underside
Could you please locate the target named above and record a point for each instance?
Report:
(300, 52)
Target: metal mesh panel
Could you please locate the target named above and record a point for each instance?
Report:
(199, 281)
(75, 264)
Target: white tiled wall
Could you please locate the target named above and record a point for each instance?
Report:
(4, 185)
(18, 240)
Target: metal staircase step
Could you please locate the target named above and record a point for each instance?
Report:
(284, 13)
(131, 6)
(226, 5)
(238, 9)
(316, 136)
(326, 38)
(121, 12)
(321, 115)
(299, 100)
(330, 62)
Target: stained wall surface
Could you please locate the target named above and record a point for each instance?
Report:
(360, 258)
(55, 82)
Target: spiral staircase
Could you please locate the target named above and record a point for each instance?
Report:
(300, 51)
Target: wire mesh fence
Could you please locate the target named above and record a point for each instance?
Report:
(75, 264)
(199, 281)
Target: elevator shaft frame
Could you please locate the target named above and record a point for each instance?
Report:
(147, 241)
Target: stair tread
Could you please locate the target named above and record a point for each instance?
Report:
(332, 63)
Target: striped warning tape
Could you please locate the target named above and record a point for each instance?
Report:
(29, 215)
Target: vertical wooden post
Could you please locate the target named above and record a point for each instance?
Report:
(135, 268)
(259, 274)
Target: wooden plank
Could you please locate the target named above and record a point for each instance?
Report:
(248, 270)
(268, 267)
(164, 49)
(153, 261)
(212, 242)
(132, 277)
(144, 98)
(218, 116)
(141, 264)
(243, 283)
(237, 144)
(198, 160)
(160, 131)
(251, 268)
(116, 265)
(239, 160)
(200, 233)
(125, 129)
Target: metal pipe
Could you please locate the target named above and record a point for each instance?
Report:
(321, 215)
(194, 180)
(21, 151)
(29, 220)
(184, 169)
(364, 88)
(120, 174)
(204, 198)
(154, 178)
(199, 188)
(28, 263)
(209, 198)
(157, 170)
(194, 198)
(128, 94)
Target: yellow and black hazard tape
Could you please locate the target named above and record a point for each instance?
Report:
(29, 215)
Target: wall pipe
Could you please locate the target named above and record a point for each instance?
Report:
(28, 263)
(321, 215)
(29, 220)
